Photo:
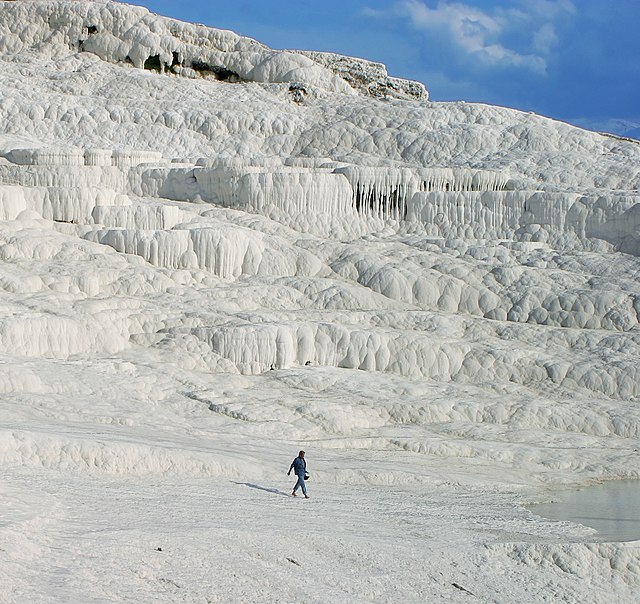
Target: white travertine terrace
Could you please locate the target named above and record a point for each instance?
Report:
(211, 251)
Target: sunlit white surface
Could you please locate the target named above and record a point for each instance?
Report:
(439, 302)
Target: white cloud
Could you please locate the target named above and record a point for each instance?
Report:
(482, 34)
(549, 9)
(545, 39)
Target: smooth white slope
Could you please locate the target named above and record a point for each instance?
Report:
(433, 546)
(462, 281)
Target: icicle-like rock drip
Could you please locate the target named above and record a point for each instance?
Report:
(147, 217)
(380, 192)
(259, 347)
(386, 192)
(535, 216)
(312, 200)
(50, 336)
(221, 249)
(47, 157)
(461, 179)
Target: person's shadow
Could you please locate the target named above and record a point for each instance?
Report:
(259, 488)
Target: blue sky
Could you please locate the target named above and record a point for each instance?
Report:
(567, 59)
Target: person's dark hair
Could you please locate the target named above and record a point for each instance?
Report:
(300, 453)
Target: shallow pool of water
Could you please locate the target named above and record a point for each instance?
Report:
(612, 508)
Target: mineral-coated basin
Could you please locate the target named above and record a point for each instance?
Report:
(612, 508)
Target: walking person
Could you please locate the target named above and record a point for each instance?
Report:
(299, 467)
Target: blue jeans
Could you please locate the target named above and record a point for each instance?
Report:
(300, 484)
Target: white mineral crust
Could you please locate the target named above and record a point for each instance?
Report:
(213, 254)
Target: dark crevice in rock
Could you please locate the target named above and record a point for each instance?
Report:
(153, 63)
(221, 73)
